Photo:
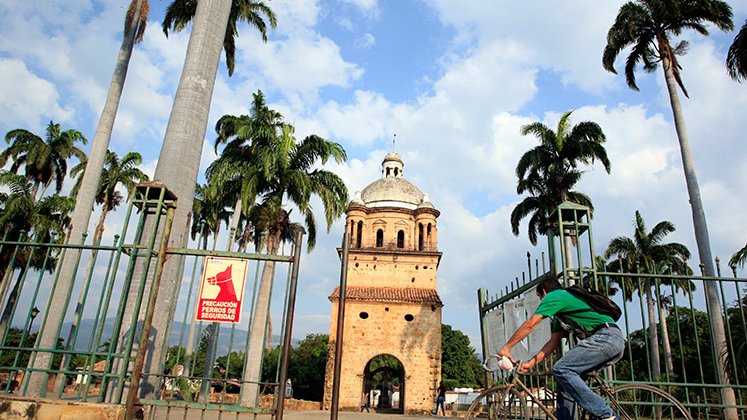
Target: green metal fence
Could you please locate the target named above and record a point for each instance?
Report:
(666, 319)
(102, 353)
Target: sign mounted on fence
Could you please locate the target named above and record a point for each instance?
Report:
(222, 290)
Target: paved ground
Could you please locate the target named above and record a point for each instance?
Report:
(288, 415)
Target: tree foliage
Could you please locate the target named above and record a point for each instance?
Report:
(181, 12)
(459, 365)
(549, 171)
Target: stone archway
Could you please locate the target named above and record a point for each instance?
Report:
(384, 384)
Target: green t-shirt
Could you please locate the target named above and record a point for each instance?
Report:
(560, 301)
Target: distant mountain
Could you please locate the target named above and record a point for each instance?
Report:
(178, 335)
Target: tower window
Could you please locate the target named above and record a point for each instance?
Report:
(401, 239)
(359, 237)
(379, 238)
(420, 237)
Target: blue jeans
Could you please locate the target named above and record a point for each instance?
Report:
(595, 352)
(440, 402)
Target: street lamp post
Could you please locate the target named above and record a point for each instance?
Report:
(34, 312)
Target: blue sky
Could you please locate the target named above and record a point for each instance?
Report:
(453, 80)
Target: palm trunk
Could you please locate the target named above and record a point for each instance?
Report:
(232, 231)
(192, 326)
(84, 202)
(668, 362)
(653, 336)
(258, 330)
(12, 298)
(718, 333)
(179, 161)
(567, 248)
(98, 232)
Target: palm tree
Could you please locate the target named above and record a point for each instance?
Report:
(209, 211)
(179, 160)
(134, 29)
(736, 58)
(25, 219)
(644, 253)
(647, 26)
(241, 164)
(88, 187)
(542, 201)
(181, 12)
(294, 178)
(116, 171)
(44, 160)
(549, 171)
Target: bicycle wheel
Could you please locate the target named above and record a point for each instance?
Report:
(640, 401)
(498, 403)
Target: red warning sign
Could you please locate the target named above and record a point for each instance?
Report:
(222, 289)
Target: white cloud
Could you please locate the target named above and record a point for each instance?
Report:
(366, 41)
(300, 67)
(26, 100)
(369, 7)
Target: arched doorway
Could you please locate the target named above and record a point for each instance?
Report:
(384, 384)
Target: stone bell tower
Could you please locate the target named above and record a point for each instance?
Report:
(391, 353)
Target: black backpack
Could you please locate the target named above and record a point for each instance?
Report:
(599, 302)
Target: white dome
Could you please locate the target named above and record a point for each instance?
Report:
(392, 190)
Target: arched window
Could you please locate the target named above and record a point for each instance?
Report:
(401, 239)
(379, 238)
(420, 237)
(359, 237)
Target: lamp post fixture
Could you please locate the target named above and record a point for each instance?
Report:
(34, 312)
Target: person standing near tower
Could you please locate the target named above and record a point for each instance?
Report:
(440, 399)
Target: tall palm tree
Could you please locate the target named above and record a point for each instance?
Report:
(89, 185)
(293, 178)
(181, 12)
(648, 26)
(736, 58)
(44, 160)
(179, 160)
(134, 28)
(644, 252)
(549, 171)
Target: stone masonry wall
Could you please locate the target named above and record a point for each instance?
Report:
(416, 344)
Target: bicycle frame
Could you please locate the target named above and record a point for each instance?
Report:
(514, 382)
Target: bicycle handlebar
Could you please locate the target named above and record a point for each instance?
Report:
(495, 357)
(514, 370)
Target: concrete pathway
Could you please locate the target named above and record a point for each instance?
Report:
(288, 415)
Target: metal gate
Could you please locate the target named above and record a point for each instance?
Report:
(686, 355)
(108, 349)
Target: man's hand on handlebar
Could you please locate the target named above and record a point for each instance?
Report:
(528, 365)
(506, 351)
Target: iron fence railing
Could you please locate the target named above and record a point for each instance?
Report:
(101, 354)
(680, 342)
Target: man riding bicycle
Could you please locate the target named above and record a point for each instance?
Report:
(602, 346)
